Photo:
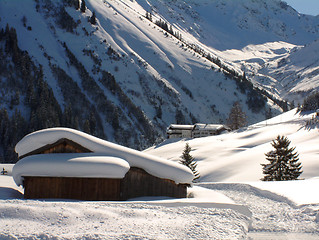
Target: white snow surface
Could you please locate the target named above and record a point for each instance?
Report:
(216, 211)
(226, 207)
(154, 165)
(86, 165)
(224, 158)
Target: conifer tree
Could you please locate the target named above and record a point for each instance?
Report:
(188, 160)
(76, 4)
(283, 162)
(93, 18)
(236, 118)
(310, 103)
(83, 7)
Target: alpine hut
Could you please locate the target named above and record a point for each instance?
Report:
(66, 163)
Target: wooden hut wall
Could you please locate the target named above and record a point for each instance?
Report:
(138, 183)
(72, 188)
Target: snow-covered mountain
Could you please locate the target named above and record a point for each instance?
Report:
(127, 76)
(223, 24)
(297, 74)
(256, 37)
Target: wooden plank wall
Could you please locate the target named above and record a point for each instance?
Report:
(95, 189)
(138, 183)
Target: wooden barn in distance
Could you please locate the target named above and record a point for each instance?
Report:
(68, 164)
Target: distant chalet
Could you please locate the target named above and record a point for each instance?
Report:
(195, 131)
(68, 164)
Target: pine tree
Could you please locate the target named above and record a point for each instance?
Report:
(83, 7)
(236, 118)
(93, 18)
(76, 4)
(311, 102)
(150, 17)
(283, 160)
(189, 161)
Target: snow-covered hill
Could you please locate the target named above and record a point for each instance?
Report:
(225, 158)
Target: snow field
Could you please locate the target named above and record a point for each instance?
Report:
(272, 212)
(236, 156)
(239, 206)
(157, 218)
(100, 220)
(211, 214)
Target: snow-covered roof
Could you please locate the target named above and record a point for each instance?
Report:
(203, 126)
(182, 127)
(154, 165)
(70, 165)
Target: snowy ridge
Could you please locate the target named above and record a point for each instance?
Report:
(154, 165)
(269, 31)
(256, 22)
(297, 72)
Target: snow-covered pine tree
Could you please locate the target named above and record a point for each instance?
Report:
(283, 162)
(236, 118)
(188, 160)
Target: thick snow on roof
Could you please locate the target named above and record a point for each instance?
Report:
(183, 127)
(154, 165)
(70, 165)
(203, 126)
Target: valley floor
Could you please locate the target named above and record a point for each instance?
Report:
(216, 211)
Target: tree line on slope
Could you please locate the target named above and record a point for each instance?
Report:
(24, 81)
(114, 115)
(310, 103)
(256, 97)
(24, 89)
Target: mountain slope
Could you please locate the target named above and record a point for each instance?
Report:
(250, 36)
(225, 25)
(297, 73)
(124, 78)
